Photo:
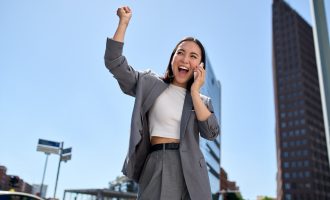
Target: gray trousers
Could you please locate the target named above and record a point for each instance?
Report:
(162, 177)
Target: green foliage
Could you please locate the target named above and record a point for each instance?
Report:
(232, 196)
(267, 198)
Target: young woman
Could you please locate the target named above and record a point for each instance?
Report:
(168, 117)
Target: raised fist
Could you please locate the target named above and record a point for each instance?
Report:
(124, 14)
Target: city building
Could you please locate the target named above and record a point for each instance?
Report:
(228, 190)
(121, 188)
(211, 149)
(36, 190)
(302, 161)
(13, 182)
(4, 183)
(227, 185)
(322, 50)
(122, 183)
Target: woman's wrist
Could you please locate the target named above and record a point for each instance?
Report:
(123, 22)
(194, 92)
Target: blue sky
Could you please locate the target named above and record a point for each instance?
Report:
(54, 85)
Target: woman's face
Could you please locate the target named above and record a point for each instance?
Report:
(185, 60)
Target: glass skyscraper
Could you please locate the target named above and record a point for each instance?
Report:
(211, 149)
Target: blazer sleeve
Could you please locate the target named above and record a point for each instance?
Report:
(117, 64)
(209, 129)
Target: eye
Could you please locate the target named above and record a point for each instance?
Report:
(193, 56)
(179, 52)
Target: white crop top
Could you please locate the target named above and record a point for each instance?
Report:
(165, 114)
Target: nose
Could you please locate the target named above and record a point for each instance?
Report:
(185, 59)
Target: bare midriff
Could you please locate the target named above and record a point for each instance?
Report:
(160, 140)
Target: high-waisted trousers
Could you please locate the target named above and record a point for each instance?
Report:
(162, 177)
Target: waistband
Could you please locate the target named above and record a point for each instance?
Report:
(165, 146)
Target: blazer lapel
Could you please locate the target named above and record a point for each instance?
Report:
(186, 111)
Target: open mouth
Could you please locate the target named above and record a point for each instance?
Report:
(183, 69)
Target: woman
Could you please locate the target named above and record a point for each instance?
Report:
(168, 117)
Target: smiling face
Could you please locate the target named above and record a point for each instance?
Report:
(186, 58)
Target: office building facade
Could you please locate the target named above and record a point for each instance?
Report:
(322, 50)
(211, 149)
(302, 159)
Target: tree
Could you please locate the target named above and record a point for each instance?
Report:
(232, 196)
(267, 198)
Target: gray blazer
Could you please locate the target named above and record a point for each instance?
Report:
(146, 87)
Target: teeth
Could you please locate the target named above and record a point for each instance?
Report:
(185, 68)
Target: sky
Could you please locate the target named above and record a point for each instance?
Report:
(54, 85)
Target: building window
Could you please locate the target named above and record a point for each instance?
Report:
(284, 134)
(294, 175)
(291, 133)
(285, 154)
(285, 144)
(306, 163)
(288, 197)
(307, 174)
(287, 186)
(305, 152)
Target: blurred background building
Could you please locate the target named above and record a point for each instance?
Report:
(322, 50)
(212, 149)
(13, 182)
(120, 189)
(36, 190)
(302, 157)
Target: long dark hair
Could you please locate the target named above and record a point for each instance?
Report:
(169, 77)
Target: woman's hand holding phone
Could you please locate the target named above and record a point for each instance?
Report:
(199, 78)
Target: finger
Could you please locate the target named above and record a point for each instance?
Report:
(198, 74)
(195, 75)
(121, 10)
(202, 70)
(126, 10)
(202, 73)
